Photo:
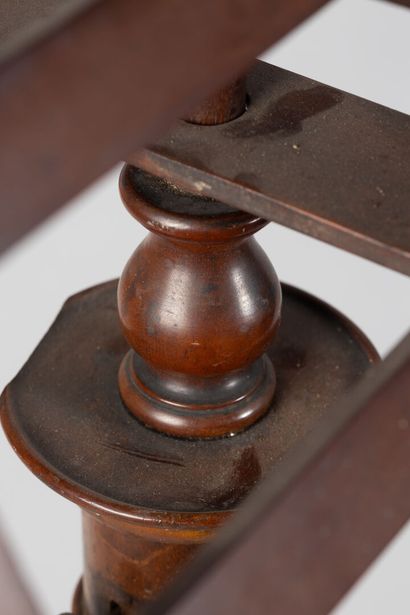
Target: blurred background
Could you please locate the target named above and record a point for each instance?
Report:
(360, 46)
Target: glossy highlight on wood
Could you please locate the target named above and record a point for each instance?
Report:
(199, 302)
(138, 486)
(223, 106)
(150, 500)
(125, 568)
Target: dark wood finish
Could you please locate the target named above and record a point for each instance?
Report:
(223, 106)
(127, 565)
(15, 598)
(199, 302)
(405, 3)
(64, 417)
(69, 108)
(136, 537)
(24, 23)
(310, 531)
(317, 353)
(321, 161)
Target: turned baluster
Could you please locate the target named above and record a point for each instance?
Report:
(199, 303)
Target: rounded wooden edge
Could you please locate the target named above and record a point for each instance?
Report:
(355, 332)
(217, 226)
(196, 525)
(195, 423)
(222, 106)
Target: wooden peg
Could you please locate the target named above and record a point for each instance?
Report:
(223, 106)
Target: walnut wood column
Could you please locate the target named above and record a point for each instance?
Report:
(128, 563)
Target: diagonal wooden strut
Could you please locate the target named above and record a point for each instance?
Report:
(85, 96)
(304, 538)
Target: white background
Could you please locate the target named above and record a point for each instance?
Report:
(361, 46)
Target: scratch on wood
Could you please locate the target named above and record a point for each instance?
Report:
(175, 461)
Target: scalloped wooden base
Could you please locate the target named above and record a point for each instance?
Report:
(151, 500)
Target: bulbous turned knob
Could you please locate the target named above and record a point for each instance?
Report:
(199, 303)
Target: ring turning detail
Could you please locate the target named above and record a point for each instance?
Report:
(199, 304)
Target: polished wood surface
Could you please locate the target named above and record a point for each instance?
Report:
(224, 105)
(139, 536)
(125, 566)
(199, 302)
(169, 490)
